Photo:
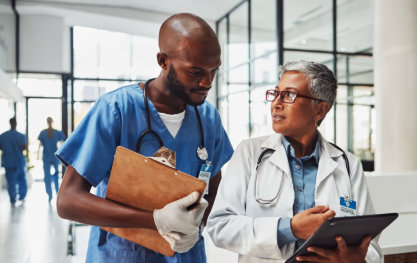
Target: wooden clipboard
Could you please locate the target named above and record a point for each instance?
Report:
(143, 183)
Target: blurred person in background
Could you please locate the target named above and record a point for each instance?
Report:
(49, 139)
(12, 145)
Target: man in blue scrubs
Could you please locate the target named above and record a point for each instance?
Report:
(189, 57)
(49, 139)
(12, 144)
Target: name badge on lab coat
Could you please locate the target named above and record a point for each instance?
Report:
(204, 175)
(347, 206)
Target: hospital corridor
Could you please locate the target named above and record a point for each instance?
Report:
(208, 131)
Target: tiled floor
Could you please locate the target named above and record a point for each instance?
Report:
(32, 232)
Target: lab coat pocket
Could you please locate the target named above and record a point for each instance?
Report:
(267, 186)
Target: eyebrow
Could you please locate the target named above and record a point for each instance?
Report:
(286, 88)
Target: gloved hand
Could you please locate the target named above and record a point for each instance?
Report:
(181, 242)
(175, 217)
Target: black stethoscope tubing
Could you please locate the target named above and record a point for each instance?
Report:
(149, 130)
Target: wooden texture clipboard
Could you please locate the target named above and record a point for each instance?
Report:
(143, 183)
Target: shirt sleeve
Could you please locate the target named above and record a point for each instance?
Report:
(285, 234)
(91, 147)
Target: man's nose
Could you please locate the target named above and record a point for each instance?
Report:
(207, 80)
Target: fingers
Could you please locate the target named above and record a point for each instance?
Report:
(329, 214)
(318, 209)
(365, 242)
(189, 199)
(341, 244)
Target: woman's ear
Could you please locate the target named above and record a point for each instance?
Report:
(320, 110)
(162, 59)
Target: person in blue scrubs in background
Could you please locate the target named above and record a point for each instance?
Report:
(189, 57)
(49, 139)
(12, 144)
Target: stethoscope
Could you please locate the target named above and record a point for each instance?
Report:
(271, 151)
(201, 150)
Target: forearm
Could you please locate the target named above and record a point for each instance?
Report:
(75, 202)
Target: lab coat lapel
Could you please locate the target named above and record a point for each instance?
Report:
(279, 157)
(326, 162)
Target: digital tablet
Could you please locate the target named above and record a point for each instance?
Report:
(352, 228)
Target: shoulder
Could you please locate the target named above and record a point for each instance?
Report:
(120, 99)
(123, 93)
(254, 146)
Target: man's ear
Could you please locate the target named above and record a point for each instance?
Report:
(162, 60)
(320, 110)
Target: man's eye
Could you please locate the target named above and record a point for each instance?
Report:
(194, 72)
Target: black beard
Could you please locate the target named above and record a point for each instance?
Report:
(177, 88)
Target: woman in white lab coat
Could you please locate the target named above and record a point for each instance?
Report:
(265, 206)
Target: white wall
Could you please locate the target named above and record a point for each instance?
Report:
(7, 38)
(44, 44)
(396, 192)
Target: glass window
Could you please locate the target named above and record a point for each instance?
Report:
(239, 75)
(355, 25)
(238, 50)
(86, 52)
(342, 117)
(222, 35)
(261, 122)
(143, 59)
(224, 112)
(6, 109)
(265, 70)
(37, 85)
(355, 69)
(363, 121)
(238, 117)
(264, 27)
(308, 24)
(326, 59)
(106, 54)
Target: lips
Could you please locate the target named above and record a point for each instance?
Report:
(278, 117)
(201, 92)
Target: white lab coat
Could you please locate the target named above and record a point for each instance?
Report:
(239, 223)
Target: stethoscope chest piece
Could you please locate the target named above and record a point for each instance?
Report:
(202, 153)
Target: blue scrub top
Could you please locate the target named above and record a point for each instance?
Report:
(50, 144)
(118, 118)
(11, 143)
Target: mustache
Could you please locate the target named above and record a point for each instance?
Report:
(200, 89)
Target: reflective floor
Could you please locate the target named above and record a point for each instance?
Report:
(33, 232)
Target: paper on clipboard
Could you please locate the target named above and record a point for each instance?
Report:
(143, 183)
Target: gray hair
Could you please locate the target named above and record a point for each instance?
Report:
(322, 82)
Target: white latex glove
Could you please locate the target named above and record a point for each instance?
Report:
(175, 217)
(181, 242)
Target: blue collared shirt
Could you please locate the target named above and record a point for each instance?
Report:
(303, 173)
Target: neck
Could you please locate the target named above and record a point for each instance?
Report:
(304, 145)
(163, 100)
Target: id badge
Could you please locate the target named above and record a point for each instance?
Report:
(204, 175)
(347, 206)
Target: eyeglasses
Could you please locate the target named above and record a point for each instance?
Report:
(286, 96)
